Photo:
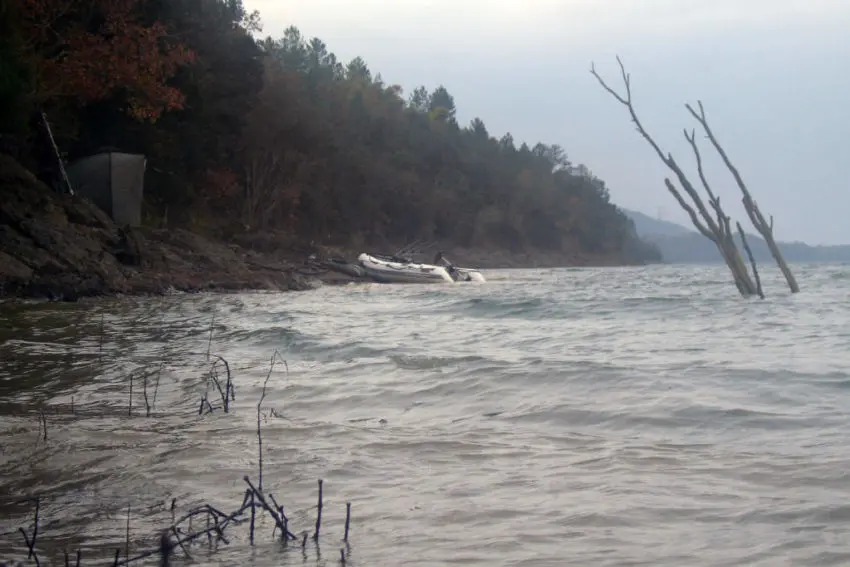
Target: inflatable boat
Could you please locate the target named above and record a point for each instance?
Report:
(394, 269)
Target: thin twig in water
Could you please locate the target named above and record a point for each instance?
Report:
(145, 394)
(216, 521)
(347, 519)
(209, 342)
(253, 515)
(219, 527)
(264, 504)
(180, 543)
(165, 549)
(130, 406)
(42, 425)
(205, 403)
(284, 521)
(127, 539)
(156, 385)
(228, 395)
(319, 513)
(275, 356)
(30, 546)
(31, 541)
(213, 376)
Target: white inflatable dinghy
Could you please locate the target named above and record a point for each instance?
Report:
(392, 269)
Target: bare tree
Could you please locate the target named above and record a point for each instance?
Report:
(764, 228)
(714, 227)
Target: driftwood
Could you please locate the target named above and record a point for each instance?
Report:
(717, 226)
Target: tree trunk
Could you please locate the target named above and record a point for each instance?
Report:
(764, 228)
(716, 228)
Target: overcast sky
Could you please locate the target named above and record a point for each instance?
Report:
(774, 76)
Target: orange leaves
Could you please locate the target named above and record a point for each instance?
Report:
(91, 50)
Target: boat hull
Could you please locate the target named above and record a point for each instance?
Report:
(388, 271)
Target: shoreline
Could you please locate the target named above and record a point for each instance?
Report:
(215, 267)
(61, 247)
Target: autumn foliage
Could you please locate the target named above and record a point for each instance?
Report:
(91, 50)
(280, 135)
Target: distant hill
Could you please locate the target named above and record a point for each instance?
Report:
(646, 225)
(681, 245)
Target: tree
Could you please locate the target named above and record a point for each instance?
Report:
(554, 155)
(188, 147)
(478, 129)
(277, 134)
(16, 77)
(716, 227)
(270, 189)
(88, 51)
(753, 212)
(442, 103)
(357, 70)
(506, 143)
(420, 99)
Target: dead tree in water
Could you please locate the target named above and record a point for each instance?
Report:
(764, 228)
(716, 227)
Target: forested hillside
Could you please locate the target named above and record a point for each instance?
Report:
(245, 136)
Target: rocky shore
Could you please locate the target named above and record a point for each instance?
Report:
(63, 247)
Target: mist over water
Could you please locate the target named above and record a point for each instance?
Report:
(640, 416)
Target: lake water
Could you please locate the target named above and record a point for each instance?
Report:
(608, 417)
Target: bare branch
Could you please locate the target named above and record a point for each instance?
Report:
(668, 159)
(690, 210)
(691, 138)
(627, 102)
(716, 228)
(752, 258)
(761, 225)
(700, 117)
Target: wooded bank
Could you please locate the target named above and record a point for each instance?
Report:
(244, 136)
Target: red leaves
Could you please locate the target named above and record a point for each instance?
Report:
(91, 50)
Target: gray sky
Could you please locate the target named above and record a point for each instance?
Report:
(774, 76)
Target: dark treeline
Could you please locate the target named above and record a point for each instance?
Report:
(278, 134)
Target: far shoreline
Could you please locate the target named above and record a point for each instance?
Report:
(247, 271)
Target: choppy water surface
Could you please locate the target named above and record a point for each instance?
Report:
(563, 417)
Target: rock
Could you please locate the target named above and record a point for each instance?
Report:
(64, 247)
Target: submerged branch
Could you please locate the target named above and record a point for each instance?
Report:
(179, 534)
